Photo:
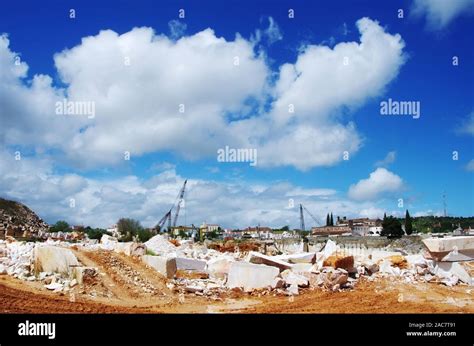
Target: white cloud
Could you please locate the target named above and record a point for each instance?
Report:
(273, 31)
(372, 213)
(389, 159)
(137, 105)
(467, 127)
(269, 35)
(380, 181)
(177, 28)
(102, 201)
(439, 13)
(470, 166)
(318, 86)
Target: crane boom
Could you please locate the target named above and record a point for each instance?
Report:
(160, 223)
(180, 199)
(301, 218)
(312, 216)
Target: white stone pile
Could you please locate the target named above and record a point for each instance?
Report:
(16, 259)
(330, 269)
(56, 267)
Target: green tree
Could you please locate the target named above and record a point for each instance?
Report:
(128, 228)
(60, 226)
(144, 235)
(94, 233)
(332, 220)
(408, 223)
(328, 222)
(391, 227)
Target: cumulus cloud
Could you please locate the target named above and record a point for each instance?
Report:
(156, 94)
(101, 201)
(380, 181)
(439, 13)
(389, 159)
(304, 123)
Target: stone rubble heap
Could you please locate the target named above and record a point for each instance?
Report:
(50, 263)
(192, 268)
(329, 269)
(18, 220)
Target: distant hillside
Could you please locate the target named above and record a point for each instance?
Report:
(18, 220)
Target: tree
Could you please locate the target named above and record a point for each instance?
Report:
(60, 226)
(391, 227)
(408, 224)
(94, 233)
(328, 222)
(128, 228)
(332, 221)
(144, 235)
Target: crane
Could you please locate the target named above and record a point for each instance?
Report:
(180, 201)
(160, 223)
(168, 215)
(302, 217)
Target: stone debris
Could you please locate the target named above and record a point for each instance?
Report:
(160, 245)
(55, 286)
(305, 257)
(379, 255)
(251, 276)
(54, 259)
(219, 267)
(108, 242)
(339, 261)
(163, 265)
(448, 271)
(196, 269)
(258, 258)
(130, 248)
(190, 264)
(294, 279)
(82, 274)
(439, 248)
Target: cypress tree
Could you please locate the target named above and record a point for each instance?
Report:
(408, 224)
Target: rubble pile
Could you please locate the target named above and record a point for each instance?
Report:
(330, 269)
(56, 267)
(194, 268)
(17, 220)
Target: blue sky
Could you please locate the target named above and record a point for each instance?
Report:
(299, 155)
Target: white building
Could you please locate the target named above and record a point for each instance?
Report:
(114, 231)
(209, 227)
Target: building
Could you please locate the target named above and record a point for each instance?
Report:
(361, 226)
(206, 228)
(258, 232)
(331, 230)
(113, 230)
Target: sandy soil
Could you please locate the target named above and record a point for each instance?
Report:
(126, 285)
